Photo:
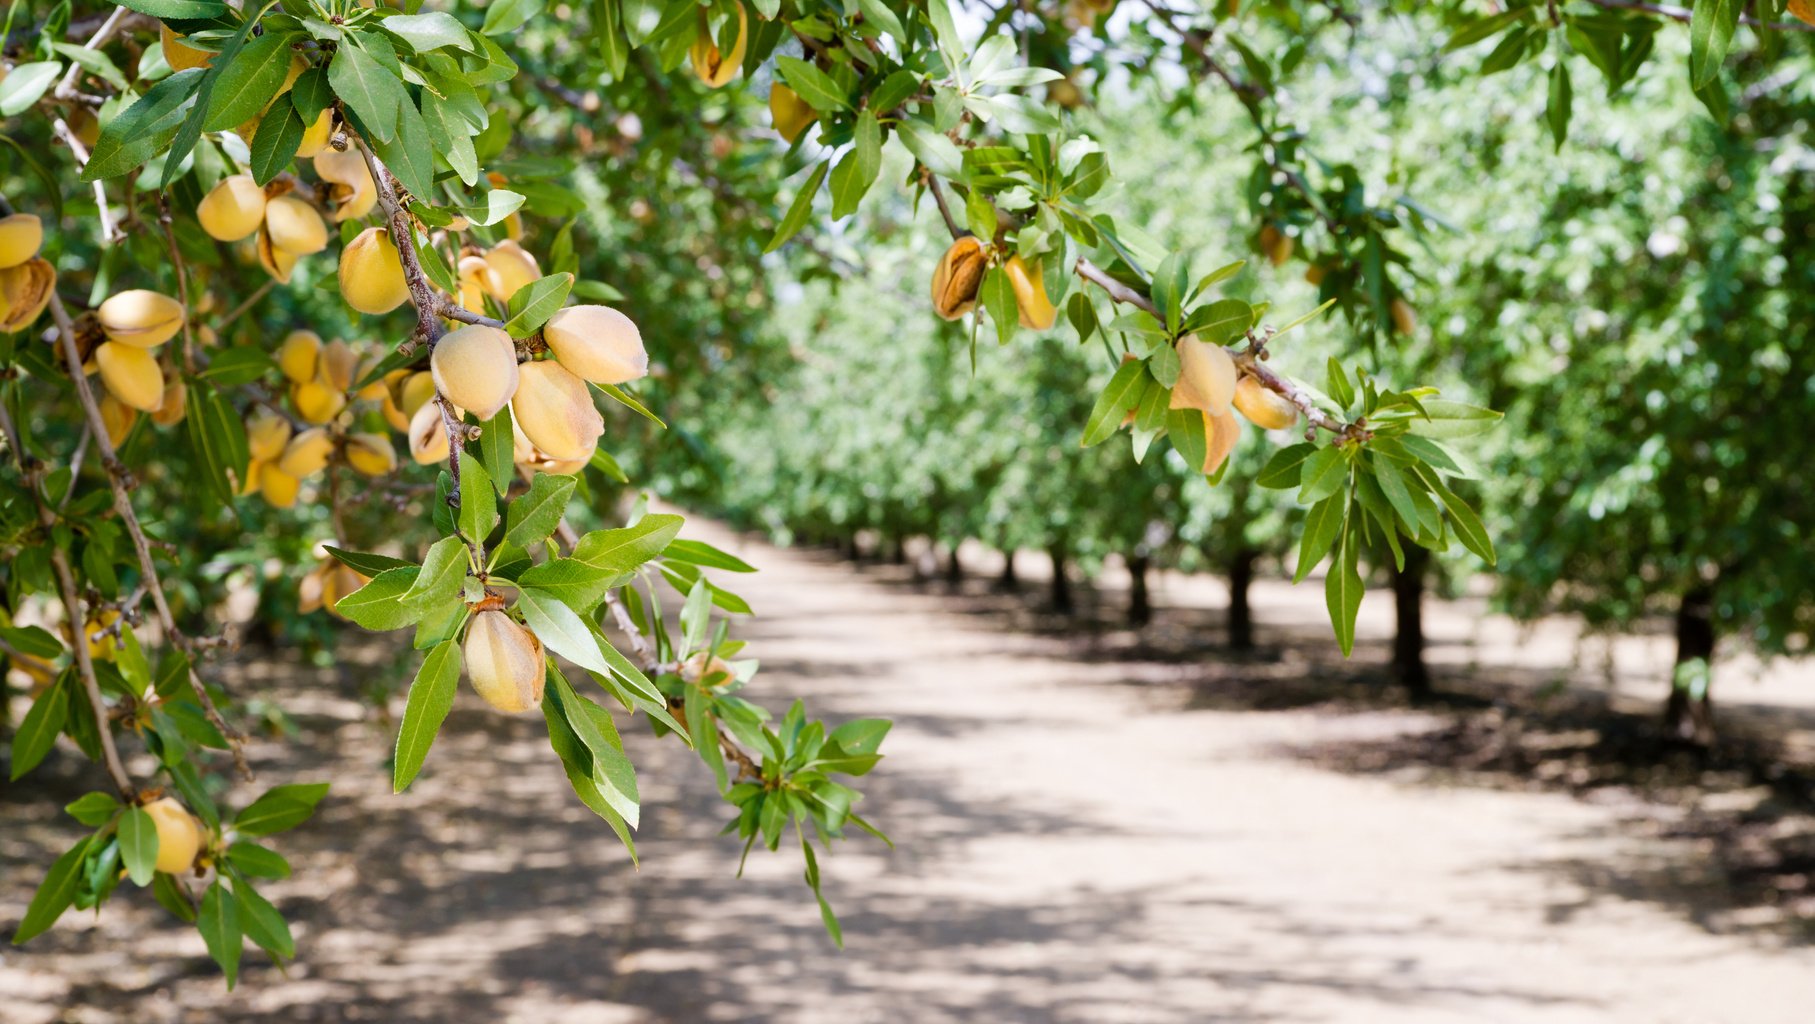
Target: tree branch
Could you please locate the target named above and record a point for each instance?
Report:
(1684, 14)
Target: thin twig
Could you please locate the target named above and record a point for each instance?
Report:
(182, 281)
(944, 210)
(67, 87)
(1685, 14)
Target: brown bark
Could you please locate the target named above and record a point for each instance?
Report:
(1408, 638)
(1061, 585)
(1140, 602)
(1241, 612)
(1687, 716)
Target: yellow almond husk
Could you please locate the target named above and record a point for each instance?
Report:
(371, 454)
(597, 343)
(266, 435)
(24, 292)
(117, 418)
(21, 236)
(140, 318)
(354, 190)
(298, 355)
(371, 274)
(378, 388)
(316, 402)
(278, 487)
(178, 55)
(232, 209)
(1221, 431)
(790, 114)
(1405, 318)
(278, 262)
(1264, 408)
(132, 375)
(713, 67)
(337, 581)
(428, 435)
(337, 365)
(406, 394)
(307, 453)
(508, 268)
(1276, 244)
(179, 835)
(473, 270)
(707, 672)
(957, 277)
(555, 412)
(315, 137)
(1206, 376)
(1037, 311)
(295, 226)
(504, 662)
(476, 368)
(171, 410)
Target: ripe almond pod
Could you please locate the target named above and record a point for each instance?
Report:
(336, 366)
(707, 673)
(354, 191)
(249, 485)
(1276, 244)
(371, 454)
(1037, 311)
(508, 268)
(179, 835)
(1803, 10)
(371, 274)
(294, 226)
(1222, 430)
(307, 453)
(24, 292)
(131, 374)
(1405, 318)
(21, 236)
(504, 661)
(232, 209)
(1206, 376)
(309, 589)
(316, 402)
(790, 114)
(337, 581)
(555, 412)
(957, 277)
(117, 418)
(279, 263)
(428, 435)
(378, 389)
(408, 391)
(299, 355)
(315, 137)
(278, 487)
(597, 343)
(476, 368)
(141, 318)
(266, 435)
(473, 271)
(712, 67)
(1264, 408)
(171, 410)
(178, 55)
(1315, 273)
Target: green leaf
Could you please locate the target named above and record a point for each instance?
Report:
(1190, 435)
(1449, 419)
(497, 444)
(698, 552)
(534, 516)
(444, 569)
(379, 605)
(1341, 391)
(625, 549)
(55, 893)
(431, 698)
(45, 719)
(799, 210)
(998, 295)
(857, 171)
(1469, 529)
(170, 893)
(263, 924)
(1392, 484)
(280, 808)
(1285, 470)
(932, 148)
(1325, 472)
(256, 861)
(35, 641)
(180, 10)
(1711, 27)
(369, 89)
(430, 31)
(245, 86)
(535, 302)
(139, 845)
(478, 500)
(1556, 108)
(190, 131)
(579, 586)
(813, 85)
(592, 725)
(1486, 28)
(1342, 591)
(93, 809)
(366, 563)
(1322, 526)
(220, 927)
(505, 16)
(1121, 394)
(145, 128)
(1168, 290)
(561, 629)
(25, 84)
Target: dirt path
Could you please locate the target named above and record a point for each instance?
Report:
(1074, 845)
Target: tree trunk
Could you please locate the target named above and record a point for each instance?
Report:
(1408, 639)
(851, 551)
(1241, 613)
(1140, 605)
(1008, 581)
(1061, 586)
(954, 569)
(898, 553)
(1689, 716)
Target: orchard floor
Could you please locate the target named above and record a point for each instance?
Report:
(1091, 826)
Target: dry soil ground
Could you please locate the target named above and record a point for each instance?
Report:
(1091, 827)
